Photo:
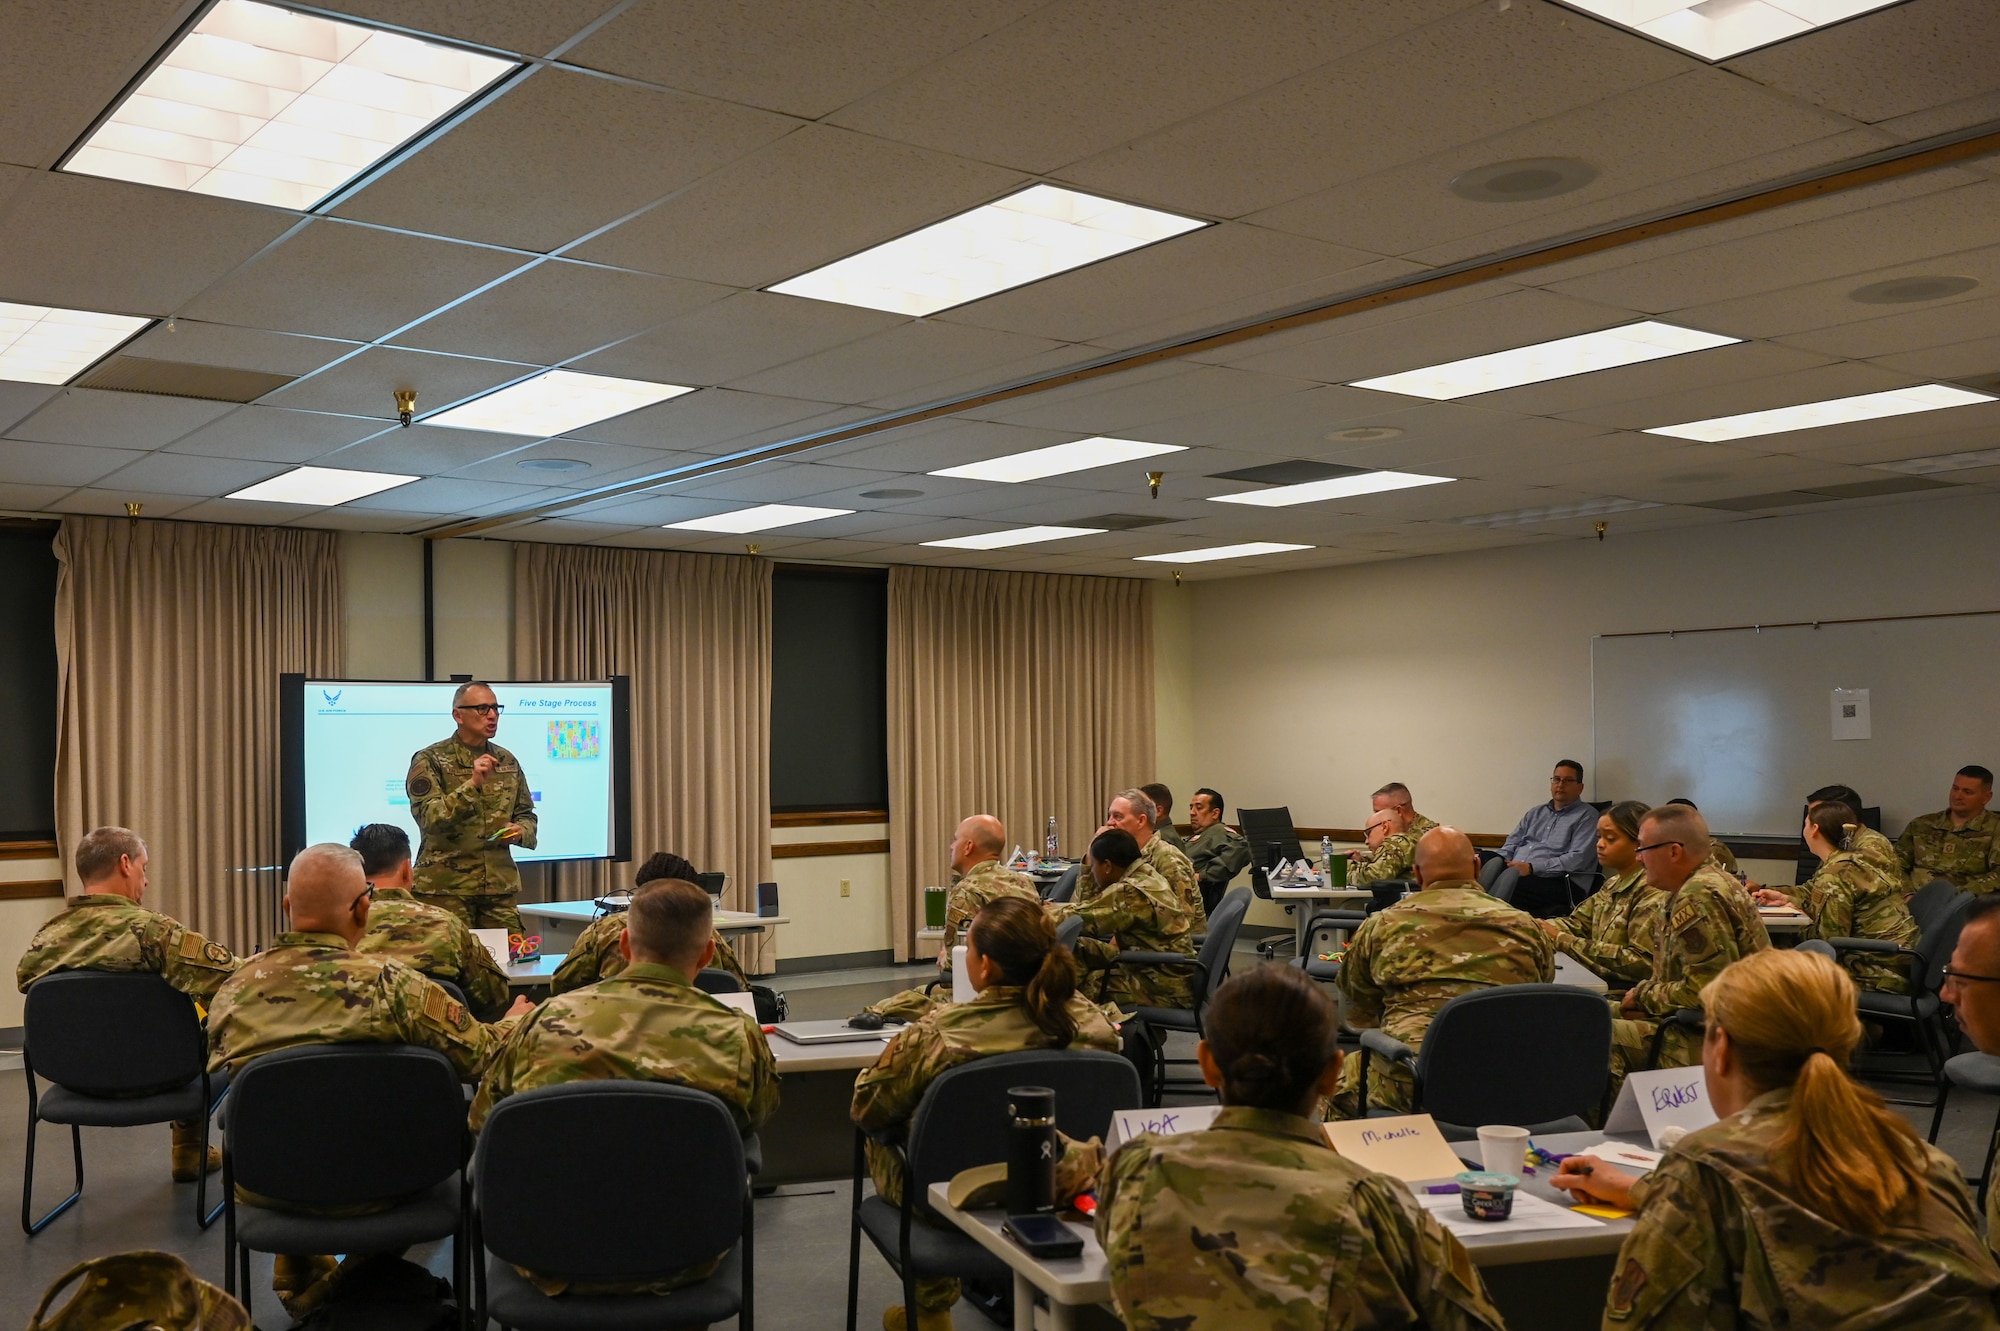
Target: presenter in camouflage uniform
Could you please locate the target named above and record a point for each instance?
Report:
(106, 928)
(1255, 1223)
(1450, 937)
(1709, 922)
(1026, 998)
(1217, 852)
(1810, 1204)
(434, 941)
(1847, 898)
(1960, 843)
(597, 953)
(470, 799)
(1613, 930)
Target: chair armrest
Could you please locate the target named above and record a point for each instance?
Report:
(1881, 945)
(1691, 1017)
(1387, 1046)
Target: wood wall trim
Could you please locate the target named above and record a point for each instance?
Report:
(1489, 840)
(27, 850)
(838, 818)
(811, 850)
(31, 891)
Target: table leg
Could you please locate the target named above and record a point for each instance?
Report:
(1304, 914)
(1024, 1304)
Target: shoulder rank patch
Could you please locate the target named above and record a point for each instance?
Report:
(420, 786)
(198, 950)
(1625, 1290)
(441, 1008)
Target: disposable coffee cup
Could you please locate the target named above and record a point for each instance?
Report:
(1503, 1150)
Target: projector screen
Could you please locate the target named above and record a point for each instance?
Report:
(348, 745)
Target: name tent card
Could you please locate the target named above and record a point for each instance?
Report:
(495, 943)
(1656, 1101)
(742, 1002)
(1409, 1148)
(1129, 1123)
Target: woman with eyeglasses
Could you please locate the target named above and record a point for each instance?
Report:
(1811, 1203)
(1614, 929)
(1848, 898)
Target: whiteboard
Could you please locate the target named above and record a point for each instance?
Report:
(1741, 722)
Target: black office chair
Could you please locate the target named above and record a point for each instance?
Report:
(1065, 888)
(621, 1234)
(1939, 910)
(340, 1126)
(1470, 1071)
(121, 1051)
(1260, 888)
(961, 1122)
(1211, 966)
(713, 980)
(1976, 1072)
(1326, 935)
(1069, 931)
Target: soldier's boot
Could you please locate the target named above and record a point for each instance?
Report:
(302, 1282)
(896, 1319)
(188, 1162)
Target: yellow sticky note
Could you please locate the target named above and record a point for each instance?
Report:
(1601, 1212)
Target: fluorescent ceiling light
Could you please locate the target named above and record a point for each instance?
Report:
(1985, 457)
(998, 540)
(262, 104)
(554, 402)
(761, 518)
(1834, 411)
(1023, 238)
(1243, 551)
(1606, 350)
(1058, 460)
(322, 487)
(1718, 29)
(1337, 487)
(41, 345)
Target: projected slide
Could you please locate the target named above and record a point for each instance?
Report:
(358, 738)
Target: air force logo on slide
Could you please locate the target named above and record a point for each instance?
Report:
(332, 696)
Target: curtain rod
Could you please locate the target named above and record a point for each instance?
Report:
(1798, 624)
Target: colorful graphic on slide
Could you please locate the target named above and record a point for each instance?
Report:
(573, 739)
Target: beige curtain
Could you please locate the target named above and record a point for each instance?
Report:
(1016, 694)
(170, 637)
(694, 633)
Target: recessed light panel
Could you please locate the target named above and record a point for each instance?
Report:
(321, 487)
(1718, 29)
(761, 518)
(41, 345)
(1338, 487)
(1834, 411)
(262, 104)
(1022, 238)
(554, 402)
(1000, 540)
(1058, 460)
(1607, 350)
(1243, 551)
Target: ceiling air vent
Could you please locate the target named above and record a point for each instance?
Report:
(212, 383)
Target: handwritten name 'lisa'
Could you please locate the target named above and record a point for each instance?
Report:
(1676, 1097)
(1373, 1138)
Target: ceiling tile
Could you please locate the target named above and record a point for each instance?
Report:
(1121, 403)
(365, 385)
(110, 503)
(950, 441)
(737, 337)
(64, 62)
(907, 357)
(1842, 379)
(30, 498)
(1889, 63)
(558, 155)
(449, 494)
(1961, 360)
(775, 483)
(1825, 304)
(559, 310)
(271, 434)
(64, 465)
(17, 399)
(352, 519)
(182, 474)
(425, 450)
(1912, 329)
(719, 420)
(335, 279)
(117, 420)
(196, 343)
(536, 27)
(604, 464)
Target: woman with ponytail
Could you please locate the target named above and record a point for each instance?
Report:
(1849, 898)
(1026, 999)
(1811, 1203)
(1256, 1224)
(1613, 930)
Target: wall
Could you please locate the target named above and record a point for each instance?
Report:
(823, 922)
(19, 919)
(1173, 694)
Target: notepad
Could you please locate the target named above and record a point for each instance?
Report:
(1530, 1213)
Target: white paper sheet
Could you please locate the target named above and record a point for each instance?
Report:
(1530, 1213)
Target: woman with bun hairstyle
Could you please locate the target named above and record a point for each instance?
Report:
(1811, 1203)
(595, 955)
(1026, 999)
(1614, 930)
(1847, 897)
(1256, 1224)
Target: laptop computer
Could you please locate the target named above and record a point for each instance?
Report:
(829, 1032)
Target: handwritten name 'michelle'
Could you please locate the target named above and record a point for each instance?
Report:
(1370, 1137)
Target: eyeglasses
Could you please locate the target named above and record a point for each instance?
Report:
(367, 894)
(1565, 780)
(483, 708)
(1657, 845)
(1963, 976)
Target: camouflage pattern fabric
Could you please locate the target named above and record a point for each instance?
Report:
(153, 1291)
(309, 988)
(1256, 1223)
(1722, 857)
(1172, 864)
(1710, 922)
(482, 911)
(436, 943)
(988, 880)
(1217, 853)
(1847, 898)
(1172, 836)
(995, 1021)
(99, 931)
(1969, 856)
(1139, 912)
(1406, 962)
(456, 817)
(1613, 930)
(1721, 1242)
(1878, 853)
(595, 956)
(1394, 858)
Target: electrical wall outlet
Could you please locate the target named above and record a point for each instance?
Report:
(846, 888)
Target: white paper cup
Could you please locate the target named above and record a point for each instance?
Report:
(1503, 1150)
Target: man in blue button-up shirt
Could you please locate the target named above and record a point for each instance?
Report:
(1552, 841)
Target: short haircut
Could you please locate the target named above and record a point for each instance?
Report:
(381, 846)
(671, 919)
(458, 694)
(97, 854)
(1395, 788)
(1983, 907)
(1678, 822)
(1114, 845)
(1573, 764)
(1163, 800)
(1140, 801)
(1980, 774)
(1685, 802)
(1845, 794)
(664, 864)
(1215, 798)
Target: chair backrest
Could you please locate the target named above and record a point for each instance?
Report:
(1271, 835)
(1260, 882)
(1389, 891)
(1069, 931)
(673, 1206)
(1939, 914)
(710, 979)
(1223, 925)
(1065, 887)
(1324, 931)
(339, 1124)
(962, 1119)
(104, 1033)
(1517, 1053)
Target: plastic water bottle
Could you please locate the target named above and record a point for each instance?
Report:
(1051, 843)
(1326, 857)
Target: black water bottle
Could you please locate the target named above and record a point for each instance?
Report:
(1031, 1150)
